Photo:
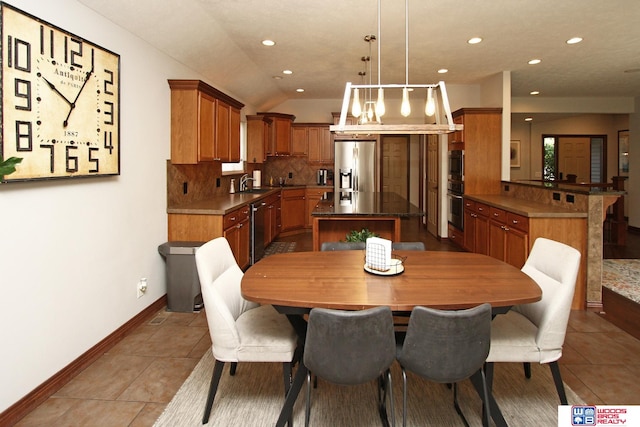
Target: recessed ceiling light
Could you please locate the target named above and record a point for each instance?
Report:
(632, 70)
(277, 77)
(442, 71)
(268, 42)
(534, 61)
(300, 90)
(534, 92)
(528, 119)
(474, 40)
(574, 40)
(287, 72)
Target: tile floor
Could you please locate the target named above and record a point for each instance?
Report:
(132, 383)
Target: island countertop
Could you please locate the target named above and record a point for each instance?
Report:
(359, 203)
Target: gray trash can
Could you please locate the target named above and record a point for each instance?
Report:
(183, 286)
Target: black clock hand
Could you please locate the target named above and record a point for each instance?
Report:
(72, 105)
(51, 85)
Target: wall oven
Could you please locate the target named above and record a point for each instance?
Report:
(455, 188)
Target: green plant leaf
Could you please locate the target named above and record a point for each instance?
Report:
(9, 166)
(359, 236)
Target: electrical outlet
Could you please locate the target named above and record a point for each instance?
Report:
(141, 288)
(290, 175)
(217, 182)
(185, 187)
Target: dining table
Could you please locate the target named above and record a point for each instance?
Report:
(296, 282)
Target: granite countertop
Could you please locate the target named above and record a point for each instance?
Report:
(577, 188)
(225, 203)
(365, 204)
(526, 208)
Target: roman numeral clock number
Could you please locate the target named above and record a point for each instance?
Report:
(61, 101)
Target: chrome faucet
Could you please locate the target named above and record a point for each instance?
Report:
(243, 182)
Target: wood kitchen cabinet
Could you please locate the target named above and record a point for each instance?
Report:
(238, 234)
(476, 227)
(313, 196)
(258, 136)
(205, 123)
(313, 140)
(279, 143)
(293, 209)
(272, 218)
(508, 237)
(299, 140)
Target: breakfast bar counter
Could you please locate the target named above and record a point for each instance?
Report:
(341, 212)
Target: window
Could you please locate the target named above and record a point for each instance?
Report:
(229, 168)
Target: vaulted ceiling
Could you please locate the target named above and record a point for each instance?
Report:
(322, 42)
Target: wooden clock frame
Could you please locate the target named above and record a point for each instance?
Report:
(60, 101)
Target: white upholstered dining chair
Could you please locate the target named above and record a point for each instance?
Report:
(535, 332)
(241, 331)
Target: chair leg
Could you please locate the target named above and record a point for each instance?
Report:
(213, 388)
(307, 412)
(232, 371)
(557, 379)
(287, 367)
(456, 406)
(486, 390)
(404, 398)
(388, 391)
(527, 369)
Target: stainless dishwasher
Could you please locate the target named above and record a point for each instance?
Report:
(258, 210)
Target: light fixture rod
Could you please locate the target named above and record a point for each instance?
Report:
(379, 41)
(406, 43)
(395, 85)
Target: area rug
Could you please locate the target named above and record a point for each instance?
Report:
(622, 276)
(254, 397)
(279, 248)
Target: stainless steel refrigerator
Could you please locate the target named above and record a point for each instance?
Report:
(355, 166)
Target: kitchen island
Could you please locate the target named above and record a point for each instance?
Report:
(338, 213)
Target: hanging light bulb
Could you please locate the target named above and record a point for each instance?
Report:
(430, 108)
(370, 111)
(405, 108)
(356, 109)
(380, 108)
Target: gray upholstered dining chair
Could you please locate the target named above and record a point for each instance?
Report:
(241, 331)
(342, 246)
(407, 246)
(535, 332)
(351, 348)
(446, 346)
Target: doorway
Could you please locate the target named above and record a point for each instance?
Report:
(579, 158)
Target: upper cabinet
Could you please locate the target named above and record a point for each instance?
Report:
(481, 140)
(258, 138)
(279, 143)
(205, 123)
(315, 139)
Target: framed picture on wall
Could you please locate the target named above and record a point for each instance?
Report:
(623, 153)
(515, 154)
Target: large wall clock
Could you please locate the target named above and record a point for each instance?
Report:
(60, 101)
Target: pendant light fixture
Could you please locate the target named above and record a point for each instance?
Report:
(377, 108)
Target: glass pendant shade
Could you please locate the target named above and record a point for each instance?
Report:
(370, 111)
(405, 108)
(380, 108)
(430, 108)
(356, 109)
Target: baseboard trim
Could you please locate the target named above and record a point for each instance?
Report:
(22, 407)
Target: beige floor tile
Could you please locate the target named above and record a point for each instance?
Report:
(614, 384)
(148, 415)
(587, 321)
(160, 381)
(602, 348)
(106, 378)
(579, 388)
(171, 341)
(47, 413)
(100, 413)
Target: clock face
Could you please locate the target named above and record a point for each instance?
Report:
(60, 101)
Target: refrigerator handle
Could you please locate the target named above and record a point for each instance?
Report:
(356, 171)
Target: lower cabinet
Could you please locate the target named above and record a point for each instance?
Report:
(293, 209)
(238, 234)
(508, 237)
(476, 227)
(313, 196)
(272, 218)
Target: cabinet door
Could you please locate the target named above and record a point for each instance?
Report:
(257, 139)
(223, 114)
(327, 145)
(232, 235)
(206, 127)
(299, 140)
(497, 240)
(517, 247)
(482, 235)
(293, 209)
(469, 230)
(314, 139)
(244, 238)
(282, 133)
(234, 135)
(313, 197)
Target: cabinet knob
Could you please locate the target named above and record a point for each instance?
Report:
(515, 221)
(233, 218)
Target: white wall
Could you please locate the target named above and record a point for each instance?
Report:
(73, 251)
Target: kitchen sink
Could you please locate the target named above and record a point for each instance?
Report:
(257, 190)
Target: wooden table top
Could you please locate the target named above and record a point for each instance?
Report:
(336, 279)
